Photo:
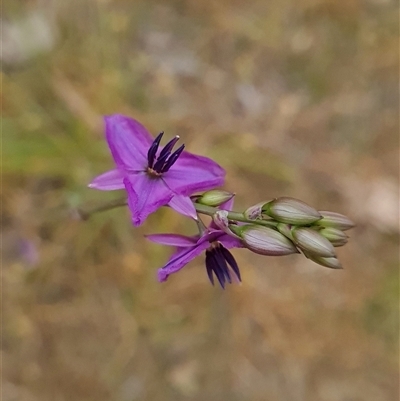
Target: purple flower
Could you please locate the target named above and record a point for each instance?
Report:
(214, 241)
(154, 176)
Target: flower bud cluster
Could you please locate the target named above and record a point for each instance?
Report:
(295, 227)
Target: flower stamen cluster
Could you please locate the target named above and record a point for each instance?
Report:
(220, 261)
(165, 160)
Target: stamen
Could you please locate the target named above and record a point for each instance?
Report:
(231, 260)
(158, 166)
(168, 147)
(215, 265)
(210, 266)
(172, 159)
(164, 161)
(151, 154)
(217, 260)
(164, 154)
(218, 271)
(222, 263)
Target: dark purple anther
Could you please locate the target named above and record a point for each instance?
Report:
(210, 266)
(151, 154)
(215, 265)
(172, 159)
(158, 165)
(165, 160)
(168, 147)
(223, 264)
(217, 260)
(231, 261)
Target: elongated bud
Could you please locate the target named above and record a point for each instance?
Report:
(334, 236)
(264, 240)
(336, 220)
(291, 211)
(215, 197)
(312, 242)
(332, 263)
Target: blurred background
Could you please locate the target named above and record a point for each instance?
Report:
(292, 98)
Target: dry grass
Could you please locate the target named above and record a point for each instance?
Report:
(295, 98)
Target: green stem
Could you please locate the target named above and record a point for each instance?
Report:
(234, 216)
(85, 214)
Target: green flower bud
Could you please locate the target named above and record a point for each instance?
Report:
(334, 236)
(291, 211)
(332, 263)
(215, 197)
(264, 240)
(312, 242)
(336, 220)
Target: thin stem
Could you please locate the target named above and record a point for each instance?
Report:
(235, 216)
(85, 214)
(201, 226)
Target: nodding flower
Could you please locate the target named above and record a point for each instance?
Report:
(214, 241)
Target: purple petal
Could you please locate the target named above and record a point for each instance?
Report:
(230, 242)
(173, 239)
(181, 258)
(108, 181)
(228, 205)
(193, 173)
(145, 195)
(183, 205)
(129, 142)
(210, 236)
